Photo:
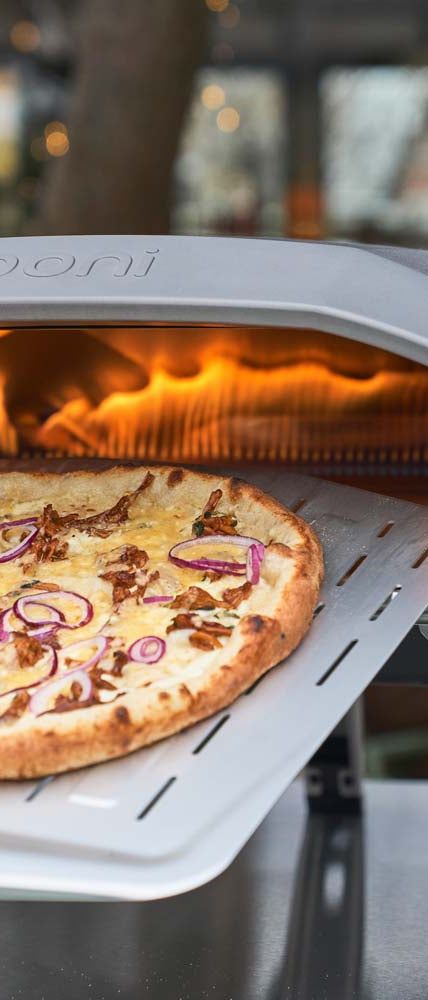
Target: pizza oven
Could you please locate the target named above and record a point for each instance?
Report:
(301, 366)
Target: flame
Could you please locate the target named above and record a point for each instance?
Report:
(205, 394)
(231, 411)
(8, 434)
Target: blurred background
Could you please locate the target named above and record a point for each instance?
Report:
(301, 118)
(304, 118)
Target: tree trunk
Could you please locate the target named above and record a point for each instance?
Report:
(135, 65)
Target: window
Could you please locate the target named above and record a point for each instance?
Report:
(230, 174)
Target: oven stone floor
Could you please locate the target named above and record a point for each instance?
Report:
(328, 909)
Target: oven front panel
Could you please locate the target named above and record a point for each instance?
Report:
(374, 295)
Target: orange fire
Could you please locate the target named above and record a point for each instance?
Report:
(219, 404)
(8, 435)
(229, 411)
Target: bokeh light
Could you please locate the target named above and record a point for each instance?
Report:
(25, 36)
(57, 144)
(56, 139)
(213, 97)
(228, 119)
(217, 5)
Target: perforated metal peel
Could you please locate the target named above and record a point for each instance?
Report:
(171, 817)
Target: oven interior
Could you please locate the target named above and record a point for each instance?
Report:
(207, 395)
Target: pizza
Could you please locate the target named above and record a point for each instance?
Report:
(135, 602)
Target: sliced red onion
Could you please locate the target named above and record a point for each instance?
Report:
(218, 565)
(17, 523)
(99, 641)
(158, 598)
(254, 562)
(20, 547)
(148, 649)
(20, 606)
(42, 631)
(51, 668)
(56, 616)
(41, 699)
(7, 626)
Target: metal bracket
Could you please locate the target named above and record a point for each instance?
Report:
(333, 776)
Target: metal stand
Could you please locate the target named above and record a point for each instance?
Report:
(333, 776)
(325, 934)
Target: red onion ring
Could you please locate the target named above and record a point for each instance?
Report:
(253, 564)
(6, 627)
(99, 641)
(218, 565)
(40, 699)
(17, 523)
(148, 649)
(53, 664)
(158, 598)
(57, 616)
(87, 611)
(17, 550)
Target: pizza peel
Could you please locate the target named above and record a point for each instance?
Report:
(171, 817)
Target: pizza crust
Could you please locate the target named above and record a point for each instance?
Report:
(58, 742)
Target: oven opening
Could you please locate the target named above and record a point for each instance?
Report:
(204, 394)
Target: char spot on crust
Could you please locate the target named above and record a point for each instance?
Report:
(185, 690)
(236, 485)
(255, 623)
(164, 696)
(147, 481)
(175, 477)
(122, 714)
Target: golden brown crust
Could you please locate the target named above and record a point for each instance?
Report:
(54, 743)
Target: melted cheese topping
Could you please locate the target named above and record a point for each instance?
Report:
(155, 530)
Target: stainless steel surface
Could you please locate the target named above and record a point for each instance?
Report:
(93, 831)
(329, 910)
(105, 279)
